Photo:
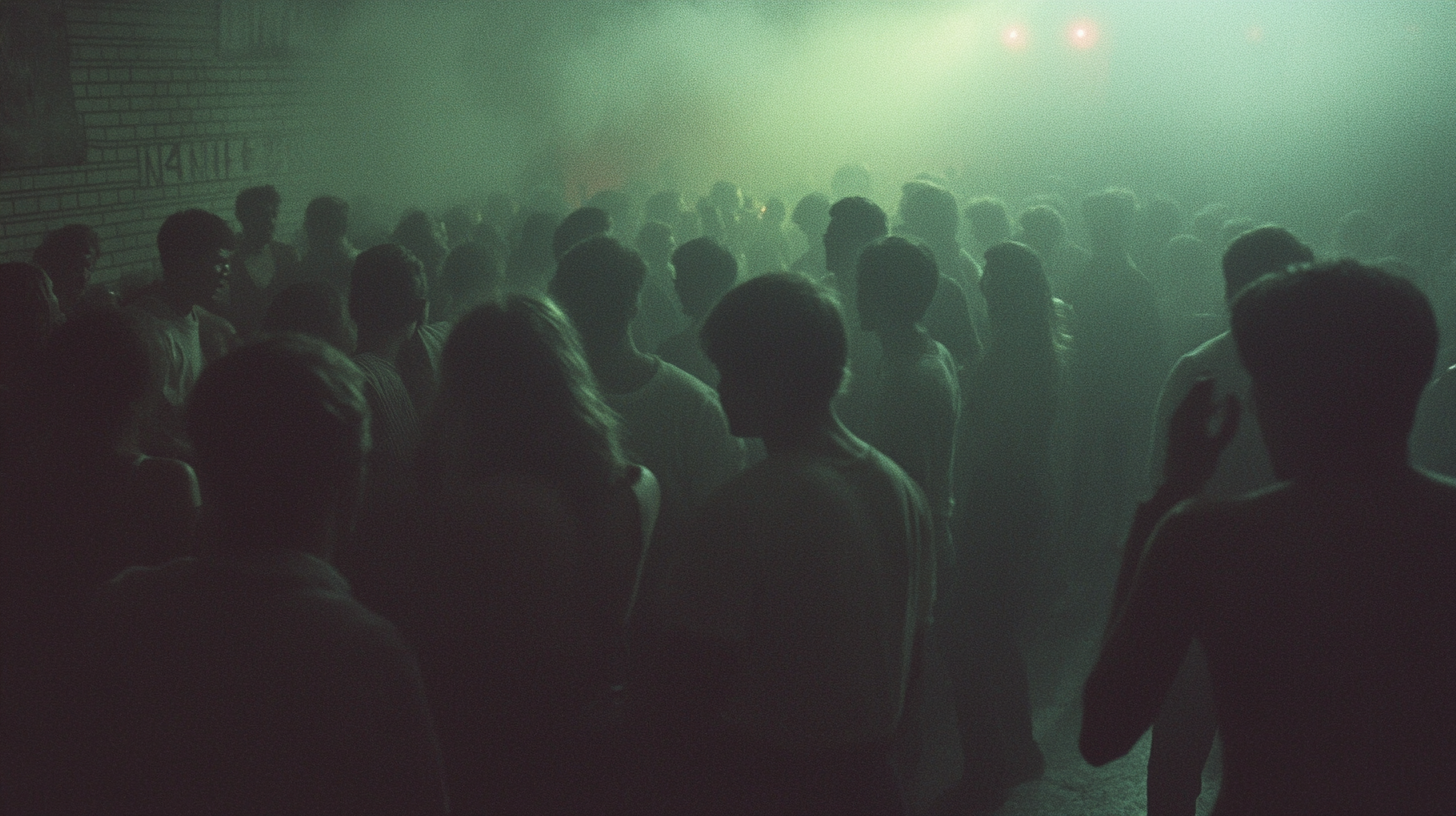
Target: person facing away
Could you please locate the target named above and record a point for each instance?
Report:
(803, 586)
(1184, 730)
(579, 225)
(987, 224)
(527, 563)
(706, 270)
(811, 216)
(329, 256)
(659, 318)
(470, 276)
(1324, 603)
(316, 309)
(1044, 230)
(261, 267)
(854, 223)
(424, 236)
(247, 679)
(69, 254)
(929, 213)
(671, 422)
(389, 301)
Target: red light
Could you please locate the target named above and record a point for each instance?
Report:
(1082, 34)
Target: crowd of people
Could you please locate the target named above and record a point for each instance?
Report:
(728, 508)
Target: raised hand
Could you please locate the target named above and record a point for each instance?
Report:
(1192, 450)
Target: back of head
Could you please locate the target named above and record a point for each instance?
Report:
(1339, 354)
(1258, 252)
(326, 219)
(66, 247)
(663, 206)
(190, 237)
(654, 242)
(929, 211)
(516, 393)
(280, 429)
(811, 215)
(598, 283)
(783, 334)
(896, 280)
(579, 225)
(419, 233)
(988, 221)
(1109, 218)
(313, 308)
(256, 202)
(854, 223)
(100, 371)
(726, 197)
(470, 275)
(705, 272)
(387, 289)
(28, 313)
(1043, 227)
(1018, 297)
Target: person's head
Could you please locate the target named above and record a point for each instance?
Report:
(726, 198)
(1109, 216)
(854, 223)
(929, 211)
(256, 208)
(516, 393)
(1339, 354)
(1258, 252)
(326, 220)
(655, 244)
(987, 221)
(68, 254)
(470, 276)
(100, 379)
(599, 283)
(664, 206)
(387, 290)
(280, 429)
(195, 247)
(705, 271)
(581, 224)
(774, 212)
(811, 216)
(1042, 228)
(28, 314)
(1018, 298)
(421, 234)
(314, 308)
(780, 347)
(895, 281)
(460, 223)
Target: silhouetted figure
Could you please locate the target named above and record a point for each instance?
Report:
(659, 317)
(470, 276)
(579, 225)
(460, 223)
(329, 257)
(811, 216)
(423, 236)
(1323, 603)
(69, 254)
(621, 211)
(388, 300)
(1115, 374)
(316, 309)
(1183, 733)
(987, 224)
(930, 214)
(671, 422)
(29, 313)
(1002, 526)
(532, 262)
(1158, 220)
(246, 679)
(1044, 230)
(527, 567)
(854, 223)
(261, 266)
(195, 248)
(803, 586)
(768, 247)
(705, 273)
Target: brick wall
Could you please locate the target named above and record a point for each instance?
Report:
(170, 123)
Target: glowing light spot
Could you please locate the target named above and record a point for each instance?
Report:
(1255, 34)
(1082, 34)
(1014, 37)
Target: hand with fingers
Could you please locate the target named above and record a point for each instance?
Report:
(1194, 449)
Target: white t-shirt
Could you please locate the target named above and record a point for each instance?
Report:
(675, 428)
(824, 569)
(182, 343)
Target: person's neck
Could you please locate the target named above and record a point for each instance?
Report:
(385, 344)
(816, 433)
(175, 298)
(618, 365)
(904, 340)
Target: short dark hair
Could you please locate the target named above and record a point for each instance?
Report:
(386, 288)
(1109, 216)
(190, 235)
(854, 223)
(326, 217)
(1348, 347)
(597, 283)
(705, 271)
(65, 245)
(314, 308)
(1042, 225)
(280, 429)
(256, 200)
(988, 220)
(899, 276)
(1258, 252)
(929, 210)
(579, 225)
(783, 331)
